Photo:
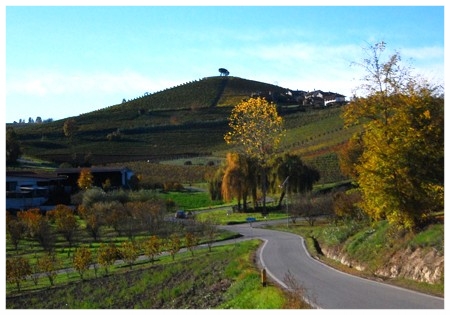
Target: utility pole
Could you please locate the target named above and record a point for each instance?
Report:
(285, 185)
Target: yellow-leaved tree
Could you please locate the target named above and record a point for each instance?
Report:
(400, 162)
(86, 179)
(256, 131)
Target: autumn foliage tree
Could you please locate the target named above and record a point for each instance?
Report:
(15, 230)
(345, 205)
(65, 221)
(173, 245)
(37, 227)
(86, 179)
(400, 169)
(48, 264)
(130, 252)
(191, 240)
(82, 259)
(152, 247)
(107, 255)
(70, 128)
(114, 214)
(210, 231)
(17, 270)
(256, 131)
(93, 219)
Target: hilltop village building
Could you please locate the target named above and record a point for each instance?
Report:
(319, 98)
(302, 99)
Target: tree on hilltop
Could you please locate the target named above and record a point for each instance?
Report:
(224, 72)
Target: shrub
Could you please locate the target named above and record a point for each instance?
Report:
(114, 136)
(345, 205)
(173, 186)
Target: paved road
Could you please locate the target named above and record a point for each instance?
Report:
(327, 288)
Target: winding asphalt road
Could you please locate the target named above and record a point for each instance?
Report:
(284, 253)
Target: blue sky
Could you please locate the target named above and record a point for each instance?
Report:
(65, 61)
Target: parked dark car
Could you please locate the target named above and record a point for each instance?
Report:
(180, 214)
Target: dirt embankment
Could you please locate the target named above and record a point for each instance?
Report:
(422, 265)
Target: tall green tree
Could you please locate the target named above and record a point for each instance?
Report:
(400, 170)
(13, 150)
(256, 131)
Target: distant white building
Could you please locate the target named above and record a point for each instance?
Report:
(318, 98)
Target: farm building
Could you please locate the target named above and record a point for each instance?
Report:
(26, 190)
(118, 177)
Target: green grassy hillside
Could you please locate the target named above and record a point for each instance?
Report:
(183, 121)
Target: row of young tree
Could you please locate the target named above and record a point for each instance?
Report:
(128, 214)
(100, 217)
(47, 264)
(38, 120)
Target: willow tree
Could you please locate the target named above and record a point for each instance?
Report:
(239, 180)
(256, 131)
(234, 179)
(400, 167)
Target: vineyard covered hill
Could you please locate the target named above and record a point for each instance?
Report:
(183, 121)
